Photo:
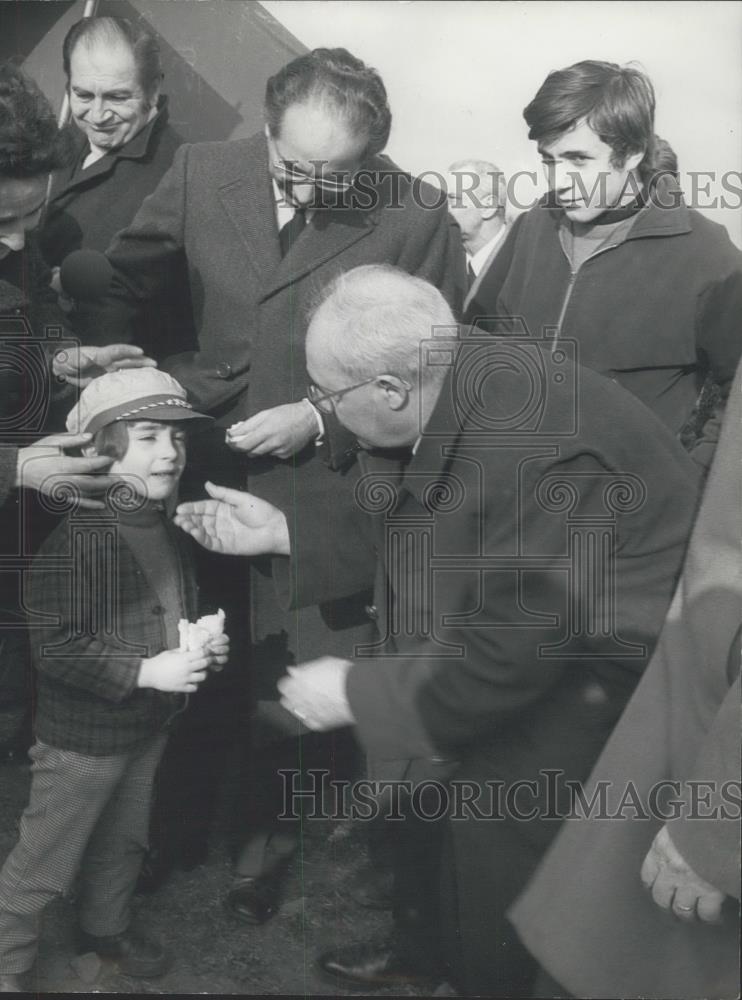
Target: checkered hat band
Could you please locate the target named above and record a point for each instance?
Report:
(135, 409)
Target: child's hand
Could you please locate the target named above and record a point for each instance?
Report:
(217, 649)
(174, 671)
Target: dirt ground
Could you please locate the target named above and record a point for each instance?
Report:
(213, 952)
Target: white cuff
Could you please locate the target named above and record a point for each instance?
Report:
(319, 439)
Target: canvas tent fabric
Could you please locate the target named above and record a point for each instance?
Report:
(216, 54)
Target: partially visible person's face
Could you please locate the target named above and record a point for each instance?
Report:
(155, 458)
(464, 206)
(106, 98)
(21, 204)
(579, 171)
(313, 144)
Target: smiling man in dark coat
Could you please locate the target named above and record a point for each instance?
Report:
(530, 521)
(123, 144)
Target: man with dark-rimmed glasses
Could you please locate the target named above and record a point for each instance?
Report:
(257, 227)
(324, 400)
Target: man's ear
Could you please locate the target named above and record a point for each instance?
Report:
(395, 391)
(632, 162)
(489, 207)
(155, 95)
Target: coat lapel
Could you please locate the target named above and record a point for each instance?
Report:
(135, 149)
(487, 265)
(252, 215)
(328, 235)
(247, 200)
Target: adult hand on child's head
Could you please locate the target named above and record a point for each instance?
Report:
(43, 466)
(80, 365)
(235, 523)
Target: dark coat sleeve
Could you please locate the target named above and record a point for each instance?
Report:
(143, 257)
(428, 702)
(719, 340)
(318, 569)
(434, 250)
(44, 304)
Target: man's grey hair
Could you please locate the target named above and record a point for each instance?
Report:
(375, 319)
(482, 179)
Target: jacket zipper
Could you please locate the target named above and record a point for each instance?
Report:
(571, 285)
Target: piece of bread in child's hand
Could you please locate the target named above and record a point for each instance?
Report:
(195, 635)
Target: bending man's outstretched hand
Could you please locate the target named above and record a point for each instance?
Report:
(235, 523)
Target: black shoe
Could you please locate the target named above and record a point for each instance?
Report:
(134, 955)
(374, 967)
(255, 900)
(12, 982)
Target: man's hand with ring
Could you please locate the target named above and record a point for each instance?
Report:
(315, 693)
(675, 886)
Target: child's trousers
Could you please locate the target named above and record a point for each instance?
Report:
(86, 814)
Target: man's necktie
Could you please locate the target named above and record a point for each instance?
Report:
(470, 273)
(291, 231)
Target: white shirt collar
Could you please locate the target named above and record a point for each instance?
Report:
(480, 258)
(284, 210)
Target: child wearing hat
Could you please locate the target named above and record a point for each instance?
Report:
(105, 596)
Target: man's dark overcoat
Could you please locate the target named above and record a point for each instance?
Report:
(527, 556)
(87, 208)
(214, 215)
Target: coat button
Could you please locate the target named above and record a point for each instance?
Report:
(157, 609)
(594, 694)
(371, 611)
(224, 369)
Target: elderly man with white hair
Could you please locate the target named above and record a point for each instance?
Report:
(529, 522)
(476, 191)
